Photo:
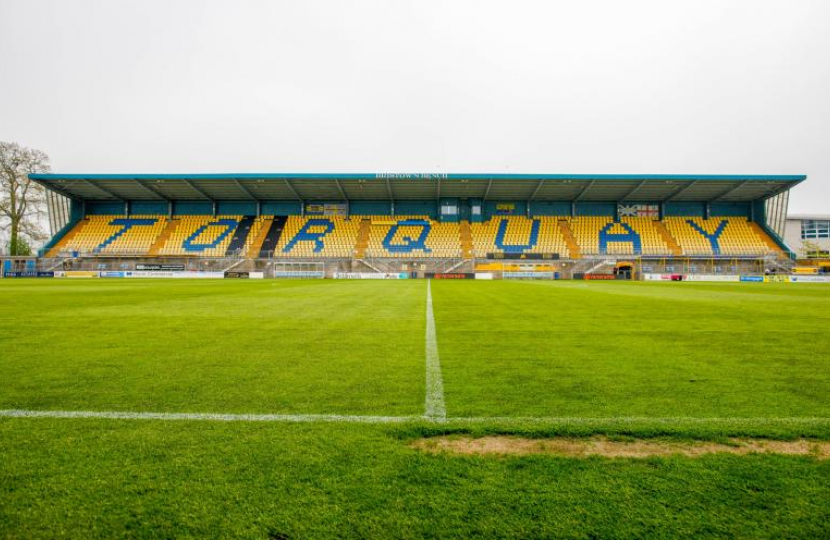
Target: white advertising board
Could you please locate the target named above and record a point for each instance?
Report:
(369, 275)
(180, 275)
(711, 277)
(809, 279)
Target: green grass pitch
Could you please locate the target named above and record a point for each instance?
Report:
(665, 360)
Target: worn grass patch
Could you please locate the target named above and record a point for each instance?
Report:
(618, 448)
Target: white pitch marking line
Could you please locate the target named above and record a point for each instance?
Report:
(318, 418)
(214, 417)
(435, 408)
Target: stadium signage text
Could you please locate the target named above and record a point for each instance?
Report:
(412, 176)
(530, 275)
(159, 267)
(370, 275)
(29, 274)
(180, 275)
(520, 256)
(809, 279)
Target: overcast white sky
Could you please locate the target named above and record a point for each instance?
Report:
(602, 86)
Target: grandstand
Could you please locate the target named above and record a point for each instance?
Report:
(460, 217)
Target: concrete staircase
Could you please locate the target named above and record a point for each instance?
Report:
(57, 248)
(163, 237)
(765, 238)
(272, 237)
(466, 236)
(362, 238)
(570, 239)
(256, 244)
(240, 236)
(664, 233)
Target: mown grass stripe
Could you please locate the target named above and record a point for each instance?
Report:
(435, 406)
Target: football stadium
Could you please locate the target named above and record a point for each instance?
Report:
(417, 225)
(415, 355)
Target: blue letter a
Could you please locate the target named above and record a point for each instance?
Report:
(630, 235)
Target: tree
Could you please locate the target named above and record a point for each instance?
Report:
(22, 201)
(811, 250)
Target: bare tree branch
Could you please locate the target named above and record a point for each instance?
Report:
(22, 201)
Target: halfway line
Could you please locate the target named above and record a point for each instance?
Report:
(435, 408)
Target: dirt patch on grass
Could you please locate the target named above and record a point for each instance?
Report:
(602, 446)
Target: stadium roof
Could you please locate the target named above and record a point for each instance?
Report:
(803, 217)
(396, 186)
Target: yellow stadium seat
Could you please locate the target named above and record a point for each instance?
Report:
(718, 236)
(116, 235)
(517, 233)
(203, 236)
(441, 240)
(318, 236)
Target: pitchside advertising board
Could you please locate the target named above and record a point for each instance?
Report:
(29, 274)
(370, 275)
(737, 278)
(85, 274)
(595, 277)
(530, 275)
(159, 267)
(809, 279)
(179, 275)
(449, 275)
(245, 275)
(692, 277)
(137, 274)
